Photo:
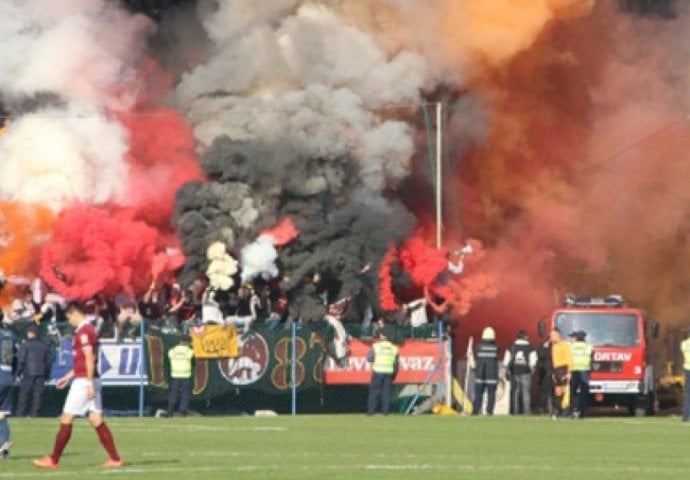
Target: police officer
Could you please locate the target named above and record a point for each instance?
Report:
(485, 372)
(685, 348)
(34, 362)
(579, 382)
(7, 361)
(519, 362)
(383, 358)
(181, 359)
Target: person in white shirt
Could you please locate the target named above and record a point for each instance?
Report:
(22, 308)
(417, 312)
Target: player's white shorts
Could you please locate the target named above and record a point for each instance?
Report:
(78, 403)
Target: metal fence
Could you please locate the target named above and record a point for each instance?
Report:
(290, 369)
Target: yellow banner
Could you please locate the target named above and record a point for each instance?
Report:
(214, 341)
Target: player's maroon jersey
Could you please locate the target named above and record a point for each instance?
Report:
(84, 337)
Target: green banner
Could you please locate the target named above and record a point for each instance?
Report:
(263, 364)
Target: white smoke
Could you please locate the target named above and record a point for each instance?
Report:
(56, 156)
(83, 51)
(71, 61)
(259, 259)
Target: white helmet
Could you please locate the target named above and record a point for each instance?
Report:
(488, 334)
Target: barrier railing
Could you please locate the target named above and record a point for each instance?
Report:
(289, 369)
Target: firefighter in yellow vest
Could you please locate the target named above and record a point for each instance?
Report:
(383, 358)
(579, 382)
(181, 359)
(685, 347)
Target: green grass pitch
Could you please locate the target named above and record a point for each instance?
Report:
(348, 446)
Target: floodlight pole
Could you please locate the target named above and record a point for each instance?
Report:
(439, 186)
(446, 368)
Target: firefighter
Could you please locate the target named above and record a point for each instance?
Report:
(579, 383)
(562, 361)
(485, 372)
(383, 357)
(685, 347)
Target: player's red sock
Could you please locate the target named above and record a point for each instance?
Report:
(107, 441)
(61, 440)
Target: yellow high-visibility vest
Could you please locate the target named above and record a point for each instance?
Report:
(385, 354)
(582, 356)
(685, 347)
(181, 361)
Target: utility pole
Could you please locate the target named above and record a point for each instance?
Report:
(439, 177)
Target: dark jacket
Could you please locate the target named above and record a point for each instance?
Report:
(544, 362)
(34, 359)
(486, 362)
(520, 353)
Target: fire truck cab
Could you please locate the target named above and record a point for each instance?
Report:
(621, 374)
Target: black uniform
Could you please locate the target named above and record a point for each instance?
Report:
(520, 376)
(34, 361)
(544, 376)
(485, 376)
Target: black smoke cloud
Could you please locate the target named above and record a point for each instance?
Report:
(343, 227)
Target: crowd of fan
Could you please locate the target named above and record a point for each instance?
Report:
(172, 309)
(165, 306)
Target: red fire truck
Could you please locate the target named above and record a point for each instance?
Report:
(621, 375)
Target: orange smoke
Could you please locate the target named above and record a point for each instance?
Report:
(490, 33)
(23, 229)
(462, 39)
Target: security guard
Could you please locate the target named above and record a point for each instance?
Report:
(485, 372)
(34, 362)
(383, 358)
(181, 358)
(579, 383)
(685, 348)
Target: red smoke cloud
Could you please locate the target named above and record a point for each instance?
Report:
(474, 285)
(423, 262)
(283, 232)
(166, 262)
(386, 294)
(94, 250)
(581, 184)
(520, 187)
(428, 269)
(110, 248)
(161, 159)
